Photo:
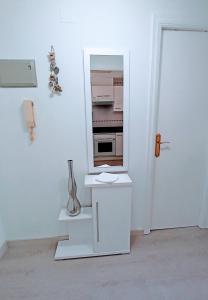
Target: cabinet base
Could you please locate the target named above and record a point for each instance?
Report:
(67, 250)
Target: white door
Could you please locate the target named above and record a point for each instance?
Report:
(179, 176)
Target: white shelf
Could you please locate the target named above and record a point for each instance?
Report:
(86, 214)
(68, 250)
(123, 180)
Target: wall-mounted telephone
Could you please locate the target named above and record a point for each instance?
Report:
(29, 117)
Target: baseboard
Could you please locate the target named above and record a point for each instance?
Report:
(3, 249)
(146, 231)
(48, 241)
(137, 232)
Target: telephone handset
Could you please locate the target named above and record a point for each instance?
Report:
(29, 116)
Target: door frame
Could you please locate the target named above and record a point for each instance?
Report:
(158, 25)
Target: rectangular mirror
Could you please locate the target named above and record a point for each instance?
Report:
(106, 91)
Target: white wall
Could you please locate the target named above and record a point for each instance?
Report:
(2, 234)
(33, 178)
(106, 62)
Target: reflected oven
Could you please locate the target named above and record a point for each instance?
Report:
(104, 144)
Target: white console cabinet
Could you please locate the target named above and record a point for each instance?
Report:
(104, 228)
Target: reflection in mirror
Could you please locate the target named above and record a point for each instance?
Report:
(106, 74)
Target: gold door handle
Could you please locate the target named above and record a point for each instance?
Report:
(158, 143)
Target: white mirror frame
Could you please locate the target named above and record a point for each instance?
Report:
(87, 53)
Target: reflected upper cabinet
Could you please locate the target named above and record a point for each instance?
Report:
(107, 98)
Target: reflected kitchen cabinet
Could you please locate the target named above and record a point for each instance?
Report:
(119, 143)
(100, 78)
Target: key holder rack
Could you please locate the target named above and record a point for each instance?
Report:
(54, 70)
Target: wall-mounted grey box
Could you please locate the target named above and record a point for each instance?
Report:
(17, 73)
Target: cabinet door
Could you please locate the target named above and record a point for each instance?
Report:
(119, 144)
(111, 219)
(103, 92)
(101, 78)
(118, 98)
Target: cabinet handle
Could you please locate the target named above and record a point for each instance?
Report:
(97, 221)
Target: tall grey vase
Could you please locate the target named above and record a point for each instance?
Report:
(73, 205)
